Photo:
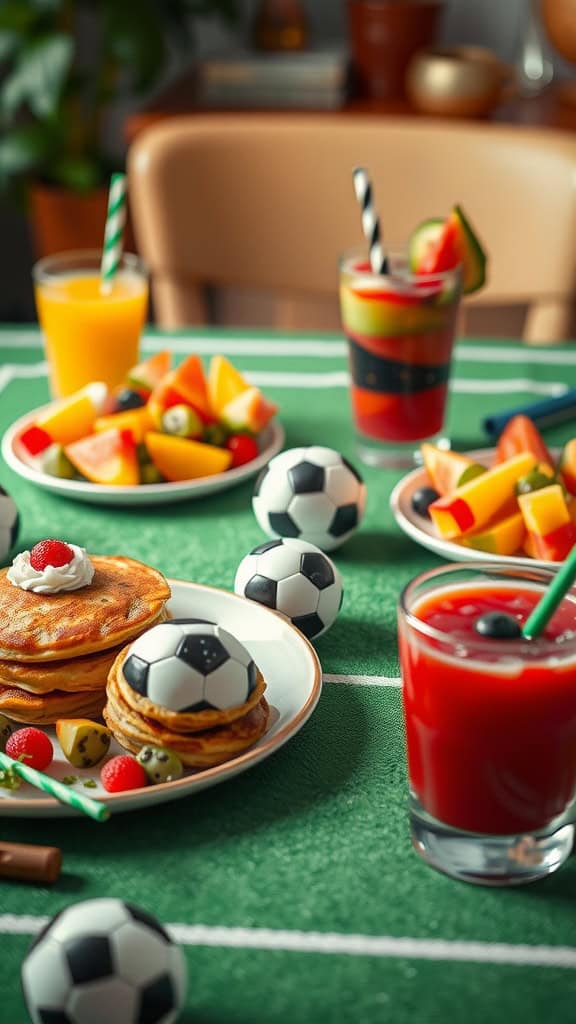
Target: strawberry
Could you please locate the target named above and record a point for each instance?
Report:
(32, 746)
(50, 552)
(35, 440)
(121, 773)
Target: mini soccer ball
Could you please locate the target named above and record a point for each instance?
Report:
(104, 960)
(312, 493)
(189, 665)
(9, 524)
(294, 578)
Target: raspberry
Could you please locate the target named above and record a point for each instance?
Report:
(243, 448)
(121, 773)
(33, 744)
(50, 552)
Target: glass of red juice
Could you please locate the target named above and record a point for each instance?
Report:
(400, 328)
(490, 724)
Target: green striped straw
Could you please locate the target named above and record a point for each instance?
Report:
(93, 808)
(115, 218)
(546, 607)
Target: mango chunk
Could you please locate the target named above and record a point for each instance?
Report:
(503, 537)
(178, 458)
(72, 418)
(475, 503)
(225, 383)
(550, 529)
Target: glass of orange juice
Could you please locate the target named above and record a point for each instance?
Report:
(89, 333)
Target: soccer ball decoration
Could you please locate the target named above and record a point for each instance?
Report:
(9, 525)
(294, 578)
(189, 665)
(312, 493)
(104, 960)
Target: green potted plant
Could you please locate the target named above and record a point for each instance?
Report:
(62, 65)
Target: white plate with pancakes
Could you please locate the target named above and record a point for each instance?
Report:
(293, 677)
(422, 530)
(270, 441)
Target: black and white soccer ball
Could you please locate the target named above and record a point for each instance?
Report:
(104, 960)
(312, 493)
(9, 525)
(294, 578)
(189, 665)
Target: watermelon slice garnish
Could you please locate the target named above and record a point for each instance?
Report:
(437, 246)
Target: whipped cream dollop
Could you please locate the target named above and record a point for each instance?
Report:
(54, 578)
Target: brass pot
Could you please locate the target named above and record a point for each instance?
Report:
(461, 81)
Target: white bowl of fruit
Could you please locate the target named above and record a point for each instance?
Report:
(166, 434)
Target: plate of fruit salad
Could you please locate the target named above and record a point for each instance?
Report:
(514, 502)
(166, 434)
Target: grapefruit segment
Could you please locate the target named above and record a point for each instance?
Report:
(146, 375)
(106, 458)
(445, 468)
(249, 411)
(190, 381)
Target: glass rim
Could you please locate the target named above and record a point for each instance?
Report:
(42, 270)
(399, 252)
(484, 645)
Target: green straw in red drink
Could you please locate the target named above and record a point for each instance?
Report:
(546, 607)
(93, 808)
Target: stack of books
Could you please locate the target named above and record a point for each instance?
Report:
(314, 79)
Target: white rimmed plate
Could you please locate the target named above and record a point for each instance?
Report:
(271, 440)
(424, 532)
(293, 676)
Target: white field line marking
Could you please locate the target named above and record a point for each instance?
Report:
(363, 680)
(335, 379)
(10, 371)
(339, 944)
(469, 386)
(316, 347)
(207, 344)
(6, 376)
(526, 354)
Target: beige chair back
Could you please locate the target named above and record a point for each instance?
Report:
(263, 206)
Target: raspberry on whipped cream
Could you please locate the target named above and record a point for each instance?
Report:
(73, 574)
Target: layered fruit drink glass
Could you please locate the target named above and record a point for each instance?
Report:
(490, 722)
(400, 328)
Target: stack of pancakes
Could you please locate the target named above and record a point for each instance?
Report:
(200, 738)
(56, 649)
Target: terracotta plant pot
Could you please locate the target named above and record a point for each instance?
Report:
(62, 220)
(559, 20)
(384, 35)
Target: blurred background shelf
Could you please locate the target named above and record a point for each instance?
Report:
(546, 110)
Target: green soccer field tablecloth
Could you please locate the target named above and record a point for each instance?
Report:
(293, 888)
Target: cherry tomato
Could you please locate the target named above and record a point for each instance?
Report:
(243, 448)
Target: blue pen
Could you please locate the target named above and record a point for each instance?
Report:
(544, 413)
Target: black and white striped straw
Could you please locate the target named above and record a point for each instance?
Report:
(370, 221)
